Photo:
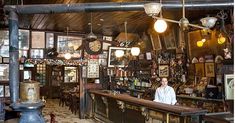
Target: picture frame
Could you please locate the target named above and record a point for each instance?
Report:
(37, 39)
(155, 41)
(36, 53)
(113, 61)
(0, 59)
(210, 69)
(5, 60)
(7, 91)
(199, 69)
(170, 39)
(163, 71)
(70, 44)
(1, 90)
(229, 86)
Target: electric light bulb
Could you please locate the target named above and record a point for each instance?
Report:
(160, 26)
(135, 51)
(199, 43)
(203, 40)
(221, 39)
(67, 56)
(119, 53)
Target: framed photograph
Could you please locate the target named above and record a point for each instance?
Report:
(113, 61)
(5, 60)
(210, 69)
(36, 53)
(70, 44)
(229, 86)
(7, 91)
(163, 71)
(155, 41)
(107, 45)
(199, 69)
(0, 59)
(38, 39)
(169, 39)
(1, 90)
(49, 40)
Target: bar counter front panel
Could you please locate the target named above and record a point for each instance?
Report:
(111, 107)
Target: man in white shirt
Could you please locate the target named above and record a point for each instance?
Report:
(165, 93)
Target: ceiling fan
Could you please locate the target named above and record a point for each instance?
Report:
(183, 22)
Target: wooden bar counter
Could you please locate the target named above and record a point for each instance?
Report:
(111, 107)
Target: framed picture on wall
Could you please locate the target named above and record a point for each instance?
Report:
(113, 61)
(163, 71)
(5, 60)
(7, 91)
(210, 69)
(38, 39)
(169, 40)
(229, 86)
(199, 69)
(1, 90)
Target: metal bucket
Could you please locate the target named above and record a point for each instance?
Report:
(29, 92)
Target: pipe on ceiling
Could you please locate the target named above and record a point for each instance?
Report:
(108, 7)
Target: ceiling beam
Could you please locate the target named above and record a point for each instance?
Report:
(108, 7)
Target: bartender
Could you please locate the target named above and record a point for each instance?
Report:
(165, 93)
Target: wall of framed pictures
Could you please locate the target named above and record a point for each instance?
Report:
(4, 91)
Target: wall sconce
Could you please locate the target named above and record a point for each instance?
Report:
(135, 51)
(119, 53)
(160, 26)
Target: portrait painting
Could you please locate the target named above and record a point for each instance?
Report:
(210, 69)
(199, 69)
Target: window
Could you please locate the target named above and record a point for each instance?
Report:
(23, 43)
(41, 74)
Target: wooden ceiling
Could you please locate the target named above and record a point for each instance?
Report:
(104, 23)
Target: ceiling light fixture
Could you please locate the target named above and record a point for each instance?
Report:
(183, 22)
(91, 36)
(67, 54)
(208, 22)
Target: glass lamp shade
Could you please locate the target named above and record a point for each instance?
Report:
(152, 8)
(160, 26)
(208, 21)
(119, 53)
(67, 56)
(199, 43)
(135, 51)
(221, 39)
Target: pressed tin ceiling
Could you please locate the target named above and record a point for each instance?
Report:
(105, 23)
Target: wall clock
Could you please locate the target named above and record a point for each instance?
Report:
(94, 47)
